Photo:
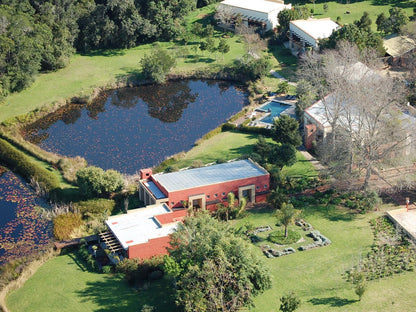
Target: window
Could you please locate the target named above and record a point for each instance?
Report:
(223, 193)
(172, 203)
(257, 187)
(207, 196)
(265, 186)
(216, 195)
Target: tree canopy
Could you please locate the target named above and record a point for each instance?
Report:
(94, 181)
(215, 269)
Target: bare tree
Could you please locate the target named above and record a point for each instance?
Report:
(362, 108)
(254, 43)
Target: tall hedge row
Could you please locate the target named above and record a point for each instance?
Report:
(18, 162)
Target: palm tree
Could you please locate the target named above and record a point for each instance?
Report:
(286, 215)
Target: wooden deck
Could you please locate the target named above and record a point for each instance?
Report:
(406, 220)
(75, 241)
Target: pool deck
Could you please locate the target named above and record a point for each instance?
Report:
(406, 220)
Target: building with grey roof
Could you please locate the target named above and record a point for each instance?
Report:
(206, 186)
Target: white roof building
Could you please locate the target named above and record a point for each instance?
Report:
(310, 31)
(260, 11)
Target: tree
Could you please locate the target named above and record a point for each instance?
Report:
(354, 34)
(364, 22)
(283, 87)
(289, 302)
(223, 46)
(306, 95)
(397, 18)
(157, 65)
(276, 198)
(286, 215)
(94, 181)
(286, 130)
(219, 271)
(283, 155)
(363, 109)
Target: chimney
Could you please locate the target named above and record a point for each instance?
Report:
(145, 173)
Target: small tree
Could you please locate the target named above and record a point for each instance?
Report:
(94, 181)
(289, 303)
(287, 215)
(223, 47)
(360, 289)
(157, 65)
(283, 87)
(286, 130)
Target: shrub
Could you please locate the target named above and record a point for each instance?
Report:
(18, 162)
(228, 127)
(95, 206)
(94, 181)
(278, 237)
(65, 224)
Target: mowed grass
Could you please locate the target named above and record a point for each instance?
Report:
(357, 8)
(231, 145)
(316, 275)
(63, 284)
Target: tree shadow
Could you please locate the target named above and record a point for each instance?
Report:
(106, 53)
(114, 294)
(396, 3)
(331, 301)
(330, 212)
(131, 75)
(80, 263)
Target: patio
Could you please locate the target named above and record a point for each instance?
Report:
(406, 220)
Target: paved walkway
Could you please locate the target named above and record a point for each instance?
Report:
(278, 76)
(406, 220)
(312, 159)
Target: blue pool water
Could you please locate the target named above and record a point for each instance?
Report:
(275, 110)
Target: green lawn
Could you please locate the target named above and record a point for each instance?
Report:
(356, 9)
(62, 284)
(230, 145)
(315, 275)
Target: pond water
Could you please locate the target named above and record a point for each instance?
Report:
(22, 230)
(133, 128)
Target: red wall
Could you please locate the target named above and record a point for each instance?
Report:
(220, 188)
(154, 247)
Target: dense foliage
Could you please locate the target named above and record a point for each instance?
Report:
(42, 35)
(65, 224)
(94, 181)
(215, 270)
(18, 162)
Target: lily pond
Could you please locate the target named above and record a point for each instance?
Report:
(133, 128)
(22, 230)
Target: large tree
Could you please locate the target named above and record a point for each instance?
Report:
(215, 270)
(368, 129)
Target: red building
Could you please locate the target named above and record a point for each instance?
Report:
(144, 232)
(205, 187)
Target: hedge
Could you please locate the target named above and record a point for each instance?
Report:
(19, 163)
(95, 206)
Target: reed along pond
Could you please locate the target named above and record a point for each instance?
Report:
(133, 128)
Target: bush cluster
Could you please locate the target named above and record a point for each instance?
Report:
(65, 224)
(18, 162)
(88, 258)
(98, 206)
(137, 270)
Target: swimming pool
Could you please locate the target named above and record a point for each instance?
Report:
(275, 109)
